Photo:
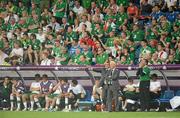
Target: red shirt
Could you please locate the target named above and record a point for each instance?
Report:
(88, 41)
(132, 10)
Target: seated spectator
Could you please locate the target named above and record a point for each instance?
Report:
(53, 99)
(46, 90)
(54, 24)
(78, 9)
(132, 10)
(34, 50)
(64, 95)
(155, 87)
(76, 92)
(17, 50)
(97, 92)
(162, 55)
(17, 91)
(146, 8)
(35, 89)
(2, 56)
(129, 93)
(45, 61)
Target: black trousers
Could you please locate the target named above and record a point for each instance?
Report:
(144, 95)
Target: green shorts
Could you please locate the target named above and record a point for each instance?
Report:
(53, 95)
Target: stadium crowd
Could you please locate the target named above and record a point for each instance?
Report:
(88, 32)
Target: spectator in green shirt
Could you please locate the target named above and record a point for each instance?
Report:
(137, 34)
(59, 9)
(34, 49)
(101, 57)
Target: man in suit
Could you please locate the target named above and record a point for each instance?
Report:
(113, 86)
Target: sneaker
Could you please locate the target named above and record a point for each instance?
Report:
(25, 109)
(51, 110)
(44, 109)
(169, 110)
(39, 109)
(65, 110)
(18, 109)
(11, 109)
(31, 109)
(55, 109)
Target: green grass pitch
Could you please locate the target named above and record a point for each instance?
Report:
(89, 114)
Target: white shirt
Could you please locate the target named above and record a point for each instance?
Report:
(46, 62)
(79, 10)
(6, 19)
(41, 37)
(162, 55)
(18, 52)
(2, 57)
(77, 89)
(55, 26)
(87, 23)
(36, 85)
(154, 85)
(170, 2)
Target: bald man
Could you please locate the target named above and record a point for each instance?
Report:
(113, 86)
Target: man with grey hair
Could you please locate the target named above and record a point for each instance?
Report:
(113, 86)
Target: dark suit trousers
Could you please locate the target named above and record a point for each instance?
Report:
(144, 95)
(104, 94)
(112, 94)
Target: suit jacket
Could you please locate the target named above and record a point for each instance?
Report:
(114, 76)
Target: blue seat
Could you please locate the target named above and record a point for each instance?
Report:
(178, 93)
(168, 94)
(87, 97)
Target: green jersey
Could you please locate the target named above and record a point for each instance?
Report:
(122, 2)
(1, 44)
(36, 44)
(12, 27)
(146, 74)
(26, 43)
(76, 58)
(56, 51)
(138, 35)
(177, 56)
(32, 21)
(121, 18)
(86, 4)
(59, 6)
(101, 59)
(110, 42)
(67, 56)
(71, 36)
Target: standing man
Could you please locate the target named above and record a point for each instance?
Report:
(5, 91)
(113, 86)
(143, 74)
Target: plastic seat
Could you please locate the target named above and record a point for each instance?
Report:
(168, 94)
(178, 93)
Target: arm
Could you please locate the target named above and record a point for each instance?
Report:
(56, 86)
